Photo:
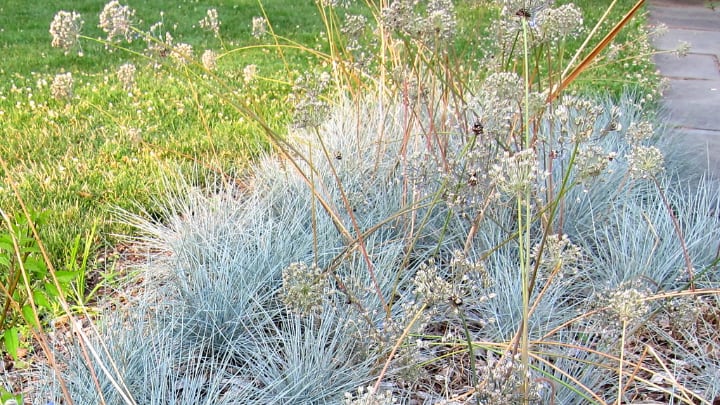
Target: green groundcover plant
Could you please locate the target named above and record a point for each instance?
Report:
(424, 234)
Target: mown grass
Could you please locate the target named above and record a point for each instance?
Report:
(107, 149)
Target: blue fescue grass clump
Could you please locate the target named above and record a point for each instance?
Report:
(216, 297)
(223, 319)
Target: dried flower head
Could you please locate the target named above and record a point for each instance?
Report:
(353, 29)
(400, 16)
(368, 396)
(311, 109)
(441, 22)
(627, 303)
(209, 59)
(639, 131)
(435, 27)
(335, 3)
(259, 27)
(470, 274)
(583, 115)
(614, 124)
(498, 102)
(249, 73)
(516, 174)
(116, 21)
(211, 22)
(304, 288)
(126, 76)
(645, 161)
(683, 312)
(501, 382)
(682, 49)
(182, 53)
(504, 86)
(657, 30)
(591, 161)
(65, 30)
(62, 86)
(514, 15)
(559, 255)
(429, 287)
(158, 45)
(555, 24)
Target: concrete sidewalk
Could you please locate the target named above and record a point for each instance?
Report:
(693, 98)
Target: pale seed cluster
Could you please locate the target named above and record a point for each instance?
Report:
(65, 30)
(516, 175)
(304, 288)
(614, 124)
(62, 86)
(468, 271)
(559, 256)
(627, 304)
(503, 86)
(335, 3)
(429, 287)
(441, 20)
(583, 114)
(557, 24)
(513, 7)
(311, 109)
(639, 131)
(249, 73)
(591, 161)
(645, 161)
(436, 26)
(209, 59)
(211, 22)
(182, 53)
(684, 312)
(126, 76)
(158, 45)
(501, 382)
(499, 101)
(400, 16)
(519, 16)
(353, 29)
(259, 27)
(116, 21)
(682, 49)
(368, 396)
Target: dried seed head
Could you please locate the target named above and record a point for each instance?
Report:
(627, 303)
(182, 53)
(259, 27)
(65, 30)
(209, 59)
(639, 131)
(116, 21)
(211, 22)
(591, 161)
(645, 161)
(249, 73)
(304, 288)
(515, 175)
(62, 86)
(126, 76)
(559, 255)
